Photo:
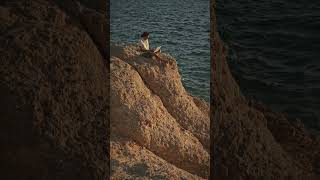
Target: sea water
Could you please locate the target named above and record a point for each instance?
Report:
(275, 53)
(181, 27)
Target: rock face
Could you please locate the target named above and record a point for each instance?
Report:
(249, 141)
(157, 129)
(54, 94)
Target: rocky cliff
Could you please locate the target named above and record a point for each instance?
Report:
(54, 90)
(158, 131)
(248, 140)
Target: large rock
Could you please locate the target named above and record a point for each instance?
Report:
(54, 95)
(150, 106)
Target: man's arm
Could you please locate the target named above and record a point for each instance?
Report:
(142, 47)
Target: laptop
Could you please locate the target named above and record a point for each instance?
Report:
(157, 49)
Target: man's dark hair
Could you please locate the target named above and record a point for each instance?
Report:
(144, 34)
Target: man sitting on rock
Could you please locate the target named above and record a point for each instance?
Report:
(144, 47)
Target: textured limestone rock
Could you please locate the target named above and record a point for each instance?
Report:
(93, 17)
(131, 161)
(148, 102)
(54, 95)
(249, 141)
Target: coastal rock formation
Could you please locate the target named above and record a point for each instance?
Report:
(54, 94)
(249, 141)
(157, 128)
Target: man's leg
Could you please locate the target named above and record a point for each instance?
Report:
(157, 55)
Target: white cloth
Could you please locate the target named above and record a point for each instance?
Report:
(144, 44)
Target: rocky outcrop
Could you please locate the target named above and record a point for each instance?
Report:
(54, 94)
(249, 141)
(158, 122)
(132, 161)
(93, 17)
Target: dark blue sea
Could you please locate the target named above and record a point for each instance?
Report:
(181, 27)
(275, 53)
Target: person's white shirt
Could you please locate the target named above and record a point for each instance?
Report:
(144, 44)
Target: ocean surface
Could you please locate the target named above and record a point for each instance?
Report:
(275, 53)
(181, 27)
